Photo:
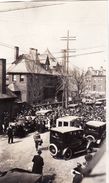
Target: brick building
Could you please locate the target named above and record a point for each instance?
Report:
(96, 81)
(7, 98)
(34, 76)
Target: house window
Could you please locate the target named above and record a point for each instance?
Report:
(21, 78)
(14, 78)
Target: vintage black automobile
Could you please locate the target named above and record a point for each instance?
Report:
(95, 131)
(66, 141)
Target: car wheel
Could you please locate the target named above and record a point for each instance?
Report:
(67, 154)
(53, 149)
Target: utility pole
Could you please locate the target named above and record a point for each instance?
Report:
(64, 76)
(66, 87)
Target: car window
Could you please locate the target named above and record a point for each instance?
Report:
(56, 135)
(60, 123)
(65, 123)
(91, 128)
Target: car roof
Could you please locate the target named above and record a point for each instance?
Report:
(96, 123)
(98, 102)
(101, 99)
(43, 111)
(65, 129)
(68, 118)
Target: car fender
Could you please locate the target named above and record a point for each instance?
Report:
(56, 149)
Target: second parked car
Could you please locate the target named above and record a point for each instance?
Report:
(95, 131)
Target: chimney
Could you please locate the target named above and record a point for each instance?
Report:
(2, 76)
(33, 54)
(16, 52)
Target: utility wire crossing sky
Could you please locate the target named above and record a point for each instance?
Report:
(42, 24)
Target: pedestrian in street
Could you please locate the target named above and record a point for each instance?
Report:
(88, 157)
(37, 163)
(77, 177)
(78, 167)
(37, 139)
(77, 173)
(10, 134)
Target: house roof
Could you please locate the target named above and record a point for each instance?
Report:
(52, 59)
(13, 87)
(8, 95)
(24, 64)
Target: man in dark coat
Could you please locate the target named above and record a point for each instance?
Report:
(10, 134)
(38, 163)
(78, 175)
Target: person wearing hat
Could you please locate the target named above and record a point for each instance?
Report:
(78, 168)
(77, 173)
(37, 140)
(10, 134)
(38, 163)
(88, 157)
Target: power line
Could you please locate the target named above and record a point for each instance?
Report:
(40, 6)
(71, 50)
(29, 7)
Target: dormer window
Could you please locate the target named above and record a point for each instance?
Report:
(14, 77)
(21, 78)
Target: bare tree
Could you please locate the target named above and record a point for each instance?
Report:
(77, 83)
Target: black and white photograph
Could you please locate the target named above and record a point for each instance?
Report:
(53, 91)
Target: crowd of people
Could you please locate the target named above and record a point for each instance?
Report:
(27, 121)
(23, 125)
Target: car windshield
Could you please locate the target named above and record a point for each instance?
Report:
(92, 128)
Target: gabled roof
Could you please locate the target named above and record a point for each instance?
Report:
(24, 64)
(52, 59)
(13, 87)
(27, 66)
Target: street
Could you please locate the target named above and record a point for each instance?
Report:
(20, 154)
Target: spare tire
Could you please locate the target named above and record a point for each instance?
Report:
(53, 149)
(90, 140)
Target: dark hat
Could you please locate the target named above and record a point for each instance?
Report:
(79, 164)
(39, 152)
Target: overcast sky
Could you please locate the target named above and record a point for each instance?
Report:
(43, 28)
